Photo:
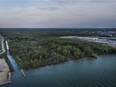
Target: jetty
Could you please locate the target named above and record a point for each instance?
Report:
(23, 73)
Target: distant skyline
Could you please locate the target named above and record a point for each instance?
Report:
(57, 13)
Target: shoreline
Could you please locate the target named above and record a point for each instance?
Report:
(5, 74)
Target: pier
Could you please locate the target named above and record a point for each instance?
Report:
(23, 73)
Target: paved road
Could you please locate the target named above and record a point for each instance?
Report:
(2, 43)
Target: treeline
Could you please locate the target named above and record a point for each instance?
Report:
(37, 52)
(58, 32)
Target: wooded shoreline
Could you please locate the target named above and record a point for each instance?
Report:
(33, 49)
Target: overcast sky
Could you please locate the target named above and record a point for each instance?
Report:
(57, 13)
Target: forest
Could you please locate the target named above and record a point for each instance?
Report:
(32, 48)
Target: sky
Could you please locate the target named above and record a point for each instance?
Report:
(57, 13)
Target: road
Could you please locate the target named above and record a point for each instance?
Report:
(2, 43)
(95, 39)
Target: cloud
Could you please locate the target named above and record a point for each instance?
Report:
(58, 13)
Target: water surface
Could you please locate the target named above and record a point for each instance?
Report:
(86, 72)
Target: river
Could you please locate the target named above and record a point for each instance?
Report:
(85, 72)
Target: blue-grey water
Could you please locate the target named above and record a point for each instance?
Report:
(85, 72)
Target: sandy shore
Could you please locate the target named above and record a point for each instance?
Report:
(4, 70)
